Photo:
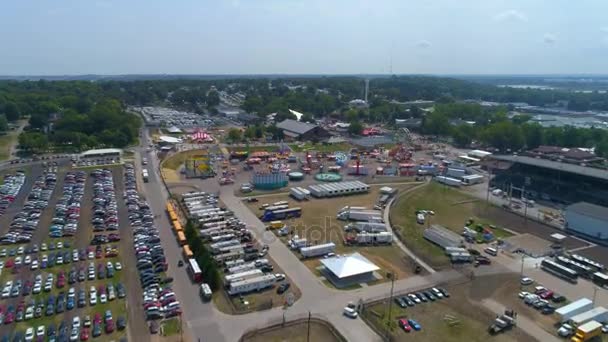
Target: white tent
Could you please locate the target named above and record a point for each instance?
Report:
(348, 266)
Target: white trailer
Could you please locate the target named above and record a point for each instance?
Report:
(276, 207)
(347, 208)
(451, 250)
(230, 249)
(361, 215)
(242, 275)
(218, 245)
(234, 263)
(209, 233)
(455, 173)
(599, 314)
(472, 179)
(573, 309)
(297, 194)
(369, 227)
(250, 285)
(240, 268)
(317, 250)
(448, 181)
(188, 195)
(223, 237)
(221, 258)
(374, 238)
(220, 224)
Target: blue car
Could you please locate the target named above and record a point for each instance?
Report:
(70, 303)
(414, 324)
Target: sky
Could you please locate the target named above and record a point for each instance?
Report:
(111, 37)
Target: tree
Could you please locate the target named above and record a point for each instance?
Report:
(533, 135)
(601, 149)
(463, 135)
(213, 98)
(3, 123)
(38, 120)
(33, 141)
(249, 133)
(355, 127)
(234, 135)
(435, 123)
(11, 110)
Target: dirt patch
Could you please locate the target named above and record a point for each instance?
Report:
(319, 224)
(170, 175)
(298, 332)
(532, 244)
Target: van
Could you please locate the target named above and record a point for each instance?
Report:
(491, 250)
(205, 291)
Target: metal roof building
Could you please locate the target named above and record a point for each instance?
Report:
(349, 269)
(589, 220)
(301, 130)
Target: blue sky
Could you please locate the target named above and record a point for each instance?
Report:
(52, 37)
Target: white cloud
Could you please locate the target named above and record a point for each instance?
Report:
(511, 15)
(424, 44)
(549, 38)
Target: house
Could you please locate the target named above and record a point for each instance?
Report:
(302, 131)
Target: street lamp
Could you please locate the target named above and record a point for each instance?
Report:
(391, 276)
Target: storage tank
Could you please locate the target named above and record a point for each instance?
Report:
(269, 181)
(295, 176)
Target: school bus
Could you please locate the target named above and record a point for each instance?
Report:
(177, 227)
(181, 238)
(187, 252)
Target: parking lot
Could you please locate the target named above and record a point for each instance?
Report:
(58, 283)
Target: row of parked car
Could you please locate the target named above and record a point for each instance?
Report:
(10, 188)
(67, 210)
(105, 209)
(159, 302)
(27, 220)
(78, 329)
(541, 299)
(430, 295)
(57, 304)
(94, 162)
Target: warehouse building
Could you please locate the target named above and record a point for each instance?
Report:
(588, 220)
(297, 130)
(348, 270)
(442, 236)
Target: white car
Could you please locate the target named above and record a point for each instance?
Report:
(565, 330)
(18, 262)
(350, 312)
(118, 266)
(37, 288)
(40, 332)
(91, 255)
(59, 245)
(20, 250)
(34, 265)
(103, 298)
(76, 322)
(523, 294)
(43, 247)
(29, 334)
(527, 281)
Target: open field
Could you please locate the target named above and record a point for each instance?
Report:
(452, 210)
(175, 161)
(454, 319)
(319, 224)
(296, 332)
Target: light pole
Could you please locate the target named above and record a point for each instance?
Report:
(391, 276)
(521, 274)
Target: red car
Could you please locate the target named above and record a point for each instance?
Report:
(547, 294)
(109, 326)
(98, 254)
(405, 325)
(97, 318)
(9, 263)
(10, 317)
(84, 334)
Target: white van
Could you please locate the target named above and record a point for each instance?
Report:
(205, 292)
(491, 250)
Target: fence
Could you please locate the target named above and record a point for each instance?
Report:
(291, 321)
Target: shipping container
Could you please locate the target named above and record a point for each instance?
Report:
(598, 314)
(250, 285)
(242, 275)
(568, 311)
(318, 250)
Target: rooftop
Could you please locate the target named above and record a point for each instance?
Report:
(101, 151)
(554, 165)
(169, 140)
(589, 209)
(293, 126)
(348, 266)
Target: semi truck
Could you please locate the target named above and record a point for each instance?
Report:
(360, 215)
(347, 208)
(502, 323)
(368, 227)
(598, 314)
(276, 207)
(298, 194)
(587, 331)
(223, 237)
(317, 250)
(296, 242)
(245, 266)
(216, 247)
(281, 214)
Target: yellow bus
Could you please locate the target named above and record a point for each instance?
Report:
(181, 238)
(173, 216)
(178, 227)
(187, 252)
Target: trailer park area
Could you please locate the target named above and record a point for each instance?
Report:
(319, 225)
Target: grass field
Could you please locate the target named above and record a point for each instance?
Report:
(6, 141)
(171, 327)
(178, 159)
(452, 210)
(298, 332)
(319, 224)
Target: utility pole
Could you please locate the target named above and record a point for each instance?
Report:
(521, 273)
(308, 332)
(594, 294)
